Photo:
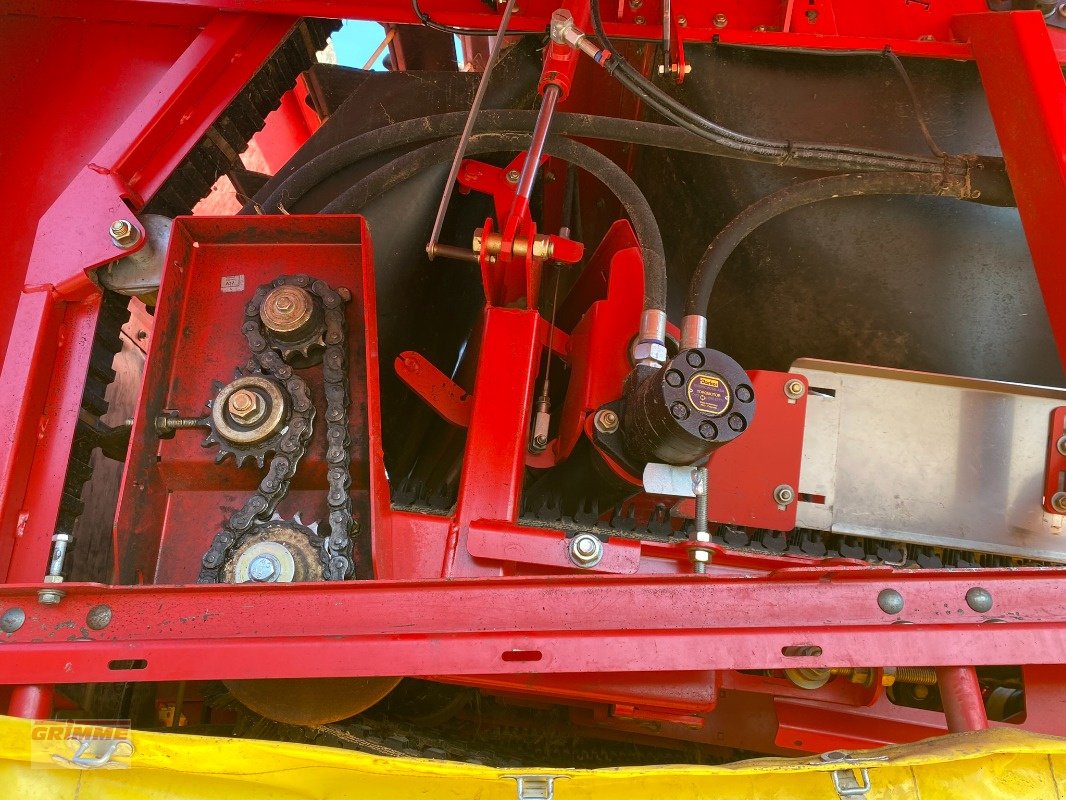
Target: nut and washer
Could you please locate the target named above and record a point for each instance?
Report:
(247, 407)
(233, 428)
(512, 176)
(287, 310)
(1058, 502)
(124, 234)
(784, 495)
(720, 20)
(794, 389)
(586, 550)
(606, 421)
(1060, 445)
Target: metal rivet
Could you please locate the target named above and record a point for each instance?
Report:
(784, 494)
(12, 620)
(890, 601)
(979, 599)
(586, 550)
(98, 617)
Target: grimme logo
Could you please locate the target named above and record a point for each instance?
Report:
(81, 744)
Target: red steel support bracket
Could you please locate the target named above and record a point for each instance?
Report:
(48, 353)
(555, 623)
(1055, 472)
(1027, 97)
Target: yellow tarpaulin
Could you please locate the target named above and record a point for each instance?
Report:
(1001, 763)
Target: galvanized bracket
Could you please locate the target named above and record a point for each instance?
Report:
(536, 787)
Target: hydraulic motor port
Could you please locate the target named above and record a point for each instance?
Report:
(700, 400)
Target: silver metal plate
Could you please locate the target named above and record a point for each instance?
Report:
(928, 459)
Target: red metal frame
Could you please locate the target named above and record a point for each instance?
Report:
(739, 616)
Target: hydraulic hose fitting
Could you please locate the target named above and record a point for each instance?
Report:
(563, 31)
(649, 350)
(693, 332)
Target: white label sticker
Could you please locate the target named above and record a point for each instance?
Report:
(232, 283)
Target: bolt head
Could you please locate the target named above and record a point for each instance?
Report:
(124, 233)
(794, 389)
(784, 495)
(978, 599)
(720, 20)
(890, 601)
(1061, 445)
(606, 421)
(287, 310)
(586, 550)
(1058, 502)
(50, 597)
(513, 175)
(262, 569)
(245, 406)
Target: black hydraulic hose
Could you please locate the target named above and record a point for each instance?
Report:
(995, 187)
(802, 194)
(828, 156)
(613, 177)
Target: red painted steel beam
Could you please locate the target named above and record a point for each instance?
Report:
(1027, 97)
(542, 624)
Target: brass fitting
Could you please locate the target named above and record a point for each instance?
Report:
(493, 244)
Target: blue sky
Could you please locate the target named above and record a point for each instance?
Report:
(356, 41)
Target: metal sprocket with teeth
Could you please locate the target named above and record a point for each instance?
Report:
(301, 540)
(258, 452)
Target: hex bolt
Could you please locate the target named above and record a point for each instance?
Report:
(701, 534)
(794, 389)
(784, 495)
(1058, 502)
(720, 20)
(606, 421)
(99, 617)
(12, 620)
(263, 569)
(245, 406)
(586, 550)
(124, 234)
(980, 600)
(890, 601)
(513, 175)
(50, 597)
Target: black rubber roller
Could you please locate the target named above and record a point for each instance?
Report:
(680, 413)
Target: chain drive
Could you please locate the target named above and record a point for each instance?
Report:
(337, 552)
